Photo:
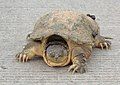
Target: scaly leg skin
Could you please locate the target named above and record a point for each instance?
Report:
(28, 52)
(78, 64)
(79, 58)
(101, 42)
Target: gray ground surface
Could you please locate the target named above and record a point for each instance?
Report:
(17, 19)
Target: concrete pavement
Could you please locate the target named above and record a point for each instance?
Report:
(17, 19)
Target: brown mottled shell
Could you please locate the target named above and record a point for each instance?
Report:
(68, 24)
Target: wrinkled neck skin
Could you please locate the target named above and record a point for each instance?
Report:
(56, 53)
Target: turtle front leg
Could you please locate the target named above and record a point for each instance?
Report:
(101, 42)
(78, 65)
(31, 50)
(79, 58)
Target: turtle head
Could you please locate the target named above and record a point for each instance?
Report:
(56, 51)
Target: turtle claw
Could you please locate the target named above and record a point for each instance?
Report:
(101, 45)
(73, 67)
(77, 68)
(22, 57)
(106, 45)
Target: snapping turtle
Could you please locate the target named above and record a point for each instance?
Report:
(64, 37)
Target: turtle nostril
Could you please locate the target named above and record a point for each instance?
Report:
(56, 56)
